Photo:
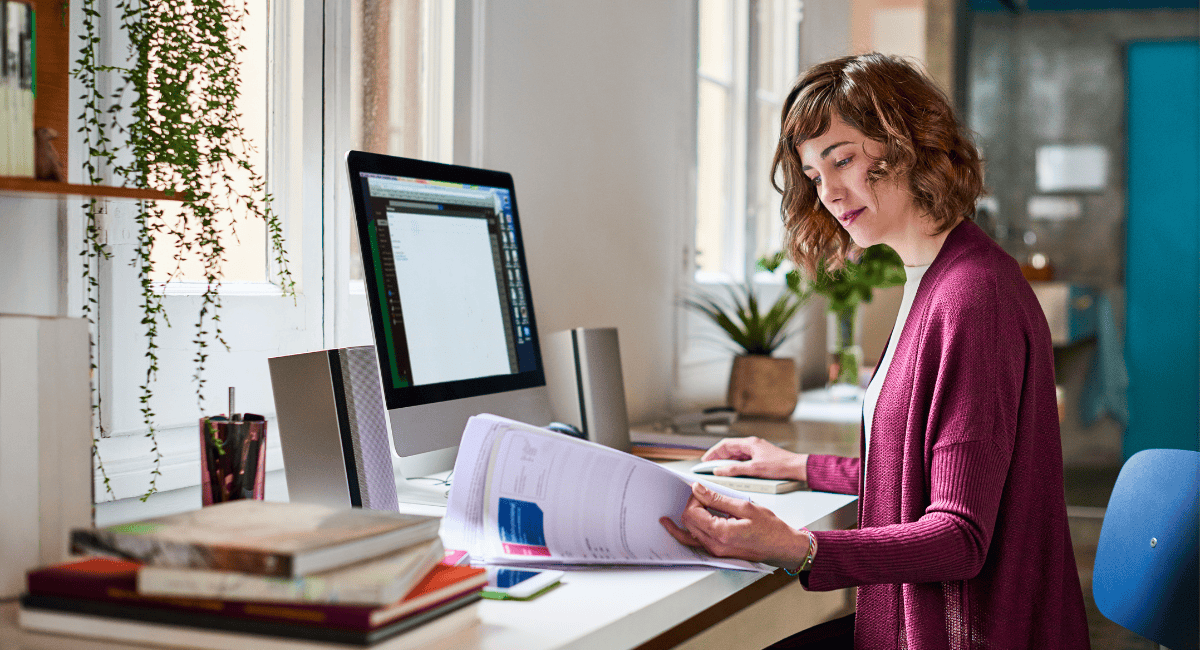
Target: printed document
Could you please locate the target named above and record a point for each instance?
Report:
(524, 495)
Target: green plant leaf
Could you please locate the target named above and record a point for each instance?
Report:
(741, 318)
(173, 104)
(878, 267)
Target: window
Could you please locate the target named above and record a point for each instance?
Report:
(401, 85)
(330, 76)
(246, 254)
(257, 321)
(393, 93)
(748, 57)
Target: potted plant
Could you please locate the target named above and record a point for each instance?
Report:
(846, 288)
(166, 117)
(759, 384)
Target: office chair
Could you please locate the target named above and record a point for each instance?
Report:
(1146, 578)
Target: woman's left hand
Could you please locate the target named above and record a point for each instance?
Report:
(748, 532)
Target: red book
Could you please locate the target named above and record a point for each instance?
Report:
(115, 581)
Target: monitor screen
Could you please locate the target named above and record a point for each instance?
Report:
(446, 282)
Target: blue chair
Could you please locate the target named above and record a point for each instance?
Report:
(1146, 576)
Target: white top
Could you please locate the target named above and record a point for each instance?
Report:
(912, 281)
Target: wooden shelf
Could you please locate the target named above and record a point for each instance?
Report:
(52, 109)
(30, 188)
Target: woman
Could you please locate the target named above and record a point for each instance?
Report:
(962, 539)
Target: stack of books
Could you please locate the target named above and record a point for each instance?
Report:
(255, 574)
(669, 444)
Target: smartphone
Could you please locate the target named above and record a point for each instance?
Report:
(518, 584)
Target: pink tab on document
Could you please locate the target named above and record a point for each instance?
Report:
(526, 549)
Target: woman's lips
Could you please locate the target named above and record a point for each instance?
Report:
(848, 218)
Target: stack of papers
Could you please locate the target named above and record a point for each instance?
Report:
(525, 495)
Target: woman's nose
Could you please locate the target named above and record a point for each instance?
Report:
(831, 190)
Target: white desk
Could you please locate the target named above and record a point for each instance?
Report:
(819, 405)
(631, 608)
(606, 608)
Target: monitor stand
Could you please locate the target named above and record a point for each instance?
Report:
(433, 490)
(425, 479)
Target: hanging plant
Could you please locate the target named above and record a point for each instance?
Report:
(174, 108)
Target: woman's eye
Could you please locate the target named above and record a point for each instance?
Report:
(844, 161)
(816, 180)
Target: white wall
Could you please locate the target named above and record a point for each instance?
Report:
(31, 262)
(824, 31)
(590, 107)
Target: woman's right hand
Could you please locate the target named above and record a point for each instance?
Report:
(758, 458)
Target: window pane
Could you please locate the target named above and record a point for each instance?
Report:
(768, 44)
(387, 56)
(713, 192)
(769, 227)
(401, 61)
(778, 45)
(716, 39)
(245, 254)
(778, 66)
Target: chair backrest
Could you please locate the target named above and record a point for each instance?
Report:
(1146, 575)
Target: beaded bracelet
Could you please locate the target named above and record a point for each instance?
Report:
(808, 557)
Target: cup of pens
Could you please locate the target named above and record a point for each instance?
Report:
(233, 454)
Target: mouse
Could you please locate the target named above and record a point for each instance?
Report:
(568, 429)
(707, 467)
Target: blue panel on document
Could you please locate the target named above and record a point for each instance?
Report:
(521, 522)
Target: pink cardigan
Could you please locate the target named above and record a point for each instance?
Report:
(962, 538)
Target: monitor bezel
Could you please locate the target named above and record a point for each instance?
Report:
(359, 162)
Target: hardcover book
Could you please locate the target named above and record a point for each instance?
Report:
(105, 580)
(434, 627)
(378, 581)
(260, 537)
(664, 452)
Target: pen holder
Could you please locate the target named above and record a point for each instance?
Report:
(233, 458)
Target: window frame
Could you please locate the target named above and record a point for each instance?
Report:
(701, 354)
(306, 174)
(745, 211)
(735, 172)
(348, 313)
(294, 164)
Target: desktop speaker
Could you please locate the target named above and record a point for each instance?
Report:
(333, 428)
(586, 386)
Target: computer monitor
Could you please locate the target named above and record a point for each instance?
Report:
(449, 295)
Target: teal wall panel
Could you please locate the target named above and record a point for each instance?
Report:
(1162, 272)
(1081, 5)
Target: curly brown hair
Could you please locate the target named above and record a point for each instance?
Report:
(890, 101)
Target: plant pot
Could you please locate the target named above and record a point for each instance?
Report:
(763, 386)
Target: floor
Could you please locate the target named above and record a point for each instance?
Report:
(1088, 488)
